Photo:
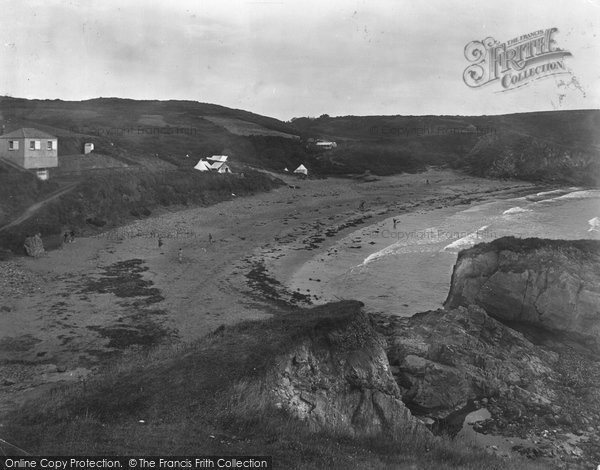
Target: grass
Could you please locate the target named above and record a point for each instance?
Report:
(111, 198)
(209, 397)
(20, 189)
(557, 146)
(583, 249)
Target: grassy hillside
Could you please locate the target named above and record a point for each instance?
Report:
(142, 130)
(110, 198)
(557, 145)
(18, 190)
(206, 398)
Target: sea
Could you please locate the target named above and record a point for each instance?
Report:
(403, 265)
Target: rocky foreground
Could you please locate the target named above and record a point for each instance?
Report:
(534, 380)
(539, 386)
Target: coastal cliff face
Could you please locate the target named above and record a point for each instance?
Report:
(338, 379)
(550, 283)
(445, 359)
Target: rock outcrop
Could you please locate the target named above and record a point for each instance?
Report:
(445, 359)
(338, 379)
(554, 284)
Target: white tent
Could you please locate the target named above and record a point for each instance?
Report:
(202, 166)
(286, 170)
(301, 169)
(220, 167)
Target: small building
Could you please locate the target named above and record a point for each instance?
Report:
(325, 145)
(88, 147)
(221, 167)
(301, 171)
(31, 149)
(202, 166)
(218, 158)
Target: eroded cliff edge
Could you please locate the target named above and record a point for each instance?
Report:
(552, 284)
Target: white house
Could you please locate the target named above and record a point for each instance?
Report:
(326, 145)
(88, 147)
(31, 149)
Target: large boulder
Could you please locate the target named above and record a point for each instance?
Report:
(445, 359)
(338, 379)
(550, 283)
(34, 246)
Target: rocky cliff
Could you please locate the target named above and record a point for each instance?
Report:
(445, 359)
(554, 284)
(338, 379)
(350, 373)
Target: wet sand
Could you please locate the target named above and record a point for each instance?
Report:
(81, 306)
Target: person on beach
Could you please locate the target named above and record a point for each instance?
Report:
(210, 238)
(72, 235)
(396, 222)
(66, 237)
(160, 242)
(180, 255)
(361, 206)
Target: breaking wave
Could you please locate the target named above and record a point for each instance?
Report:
(467, 241)
(515, 210)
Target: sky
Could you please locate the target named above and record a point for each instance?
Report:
(293, 58)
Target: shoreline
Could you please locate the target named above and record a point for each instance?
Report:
(80, 307)
(289, 271)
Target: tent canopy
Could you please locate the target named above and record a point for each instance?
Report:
(301, 169)
(218, 158)
(202, 166)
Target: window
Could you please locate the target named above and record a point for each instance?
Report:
(13, 145)
(50, 145)
(35, 145)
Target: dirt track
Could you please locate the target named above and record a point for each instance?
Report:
(38, 205)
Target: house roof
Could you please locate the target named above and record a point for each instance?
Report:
(218, 158)
(27, 133)
(300, 169)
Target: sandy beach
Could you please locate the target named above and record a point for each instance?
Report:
(80, 307)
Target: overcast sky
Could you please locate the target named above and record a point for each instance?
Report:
(291, 58)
